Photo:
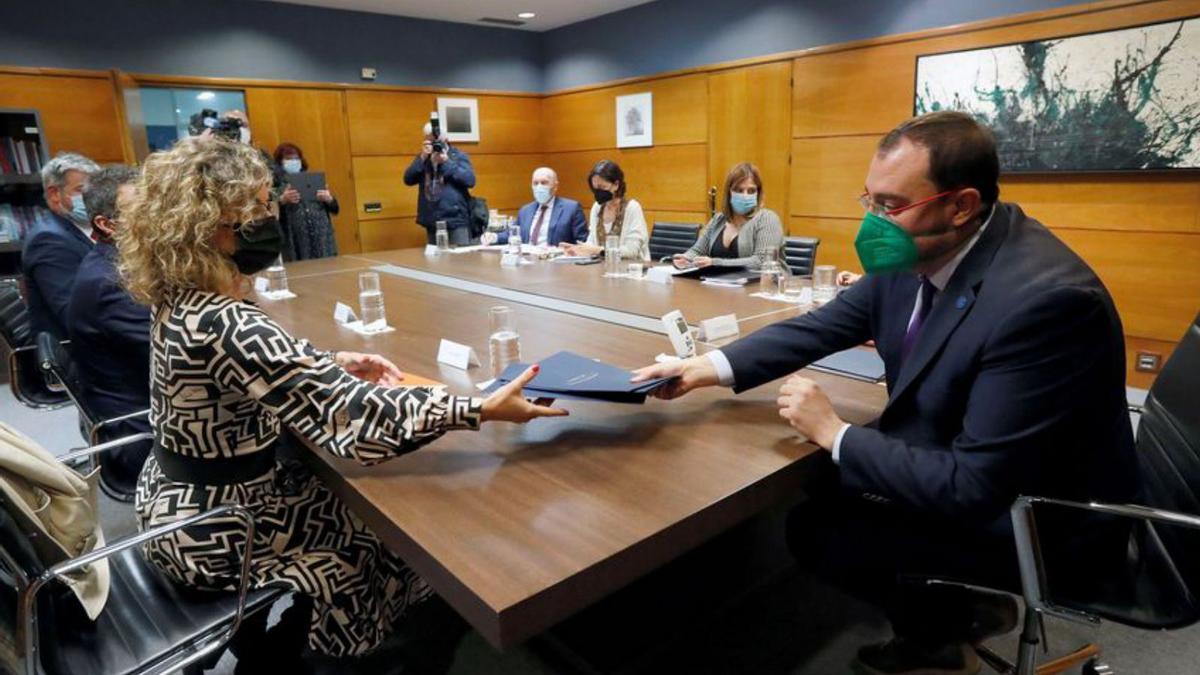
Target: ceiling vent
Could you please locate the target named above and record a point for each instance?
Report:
(501, 22)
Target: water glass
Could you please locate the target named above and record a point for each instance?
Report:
(612, 256)
(370, 301)
(504, 344)
(277, 277)
(514, 236)
(792, 289)
(635, 270)
(824, 283)
(442, 236)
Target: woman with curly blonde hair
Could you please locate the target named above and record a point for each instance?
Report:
(226, 380)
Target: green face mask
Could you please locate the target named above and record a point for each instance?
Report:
(883, 246)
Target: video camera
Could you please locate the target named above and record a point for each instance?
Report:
(225, 127)
(435, 127)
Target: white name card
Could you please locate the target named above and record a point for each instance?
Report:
(661, 274)
(456, 355)
(431, 250)
(510, 260)
(720, 327)
(342, 313)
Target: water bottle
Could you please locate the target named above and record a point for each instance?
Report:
(504, 344)
(442, 236)
(771, 273)
(370, 302)
(277, 282)
(612, 256)
(514, 236)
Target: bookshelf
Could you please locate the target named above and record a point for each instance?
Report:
(23, 152)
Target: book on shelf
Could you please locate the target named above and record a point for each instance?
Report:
(19, 156)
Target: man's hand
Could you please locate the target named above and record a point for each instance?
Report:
(290, 195)
(689, 374)
(808, 410)
(488, 238)
(507, 404)
(324, 196)
(372, 368)
(426, 150)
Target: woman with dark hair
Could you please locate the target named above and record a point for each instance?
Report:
(613, 216)
(742, 233)
(306, 222)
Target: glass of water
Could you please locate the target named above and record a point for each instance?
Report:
(612, 256)
(793, 289)
(277, 277)
(514, 236)
(504, 344)
(824, 283)
(370, 301)
(442, 236)
(634, 270)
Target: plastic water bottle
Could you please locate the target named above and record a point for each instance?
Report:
(277, 282)
(442, 237)
(771, 274)
(504, 344)
(370, 302)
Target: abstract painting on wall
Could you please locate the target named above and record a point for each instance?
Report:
(1119, 100)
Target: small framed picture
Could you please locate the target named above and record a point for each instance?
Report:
(635, 120)
(460, 119)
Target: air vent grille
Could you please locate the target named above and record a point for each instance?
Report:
(502, 22)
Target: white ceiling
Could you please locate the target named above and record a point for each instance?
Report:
(550, 13)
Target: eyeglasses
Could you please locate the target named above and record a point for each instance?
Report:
(878, 209)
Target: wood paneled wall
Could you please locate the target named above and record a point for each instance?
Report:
(79, 110)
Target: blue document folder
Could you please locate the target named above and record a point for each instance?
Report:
(569, 375)
(861, 363)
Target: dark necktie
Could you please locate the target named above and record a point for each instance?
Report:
(537, 224)
(914, 328)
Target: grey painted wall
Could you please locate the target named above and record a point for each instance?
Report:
(673, 34)
(242, 38)
(246, 38)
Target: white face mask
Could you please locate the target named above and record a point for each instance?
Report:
(244, 135)
(292, 165)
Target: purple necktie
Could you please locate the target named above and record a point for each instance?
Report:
(537, 225)
(914, 328)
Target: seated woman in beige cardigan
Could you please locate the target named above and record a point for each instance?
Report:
(742, 233)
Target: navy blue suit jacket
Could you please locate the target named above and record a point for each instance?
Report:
(565, 220)
(1016, 384)
(110, 337)
(453, 202)
(53, 250)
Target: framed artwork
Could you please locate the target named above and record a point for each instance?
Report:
(460, 119)
(635, 120)
(1119, 100)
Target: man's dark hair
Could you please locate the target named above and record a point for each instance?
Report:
(962, 152)
(100, 193)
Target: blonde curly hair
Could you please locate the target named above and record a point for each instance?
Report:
(184, 195)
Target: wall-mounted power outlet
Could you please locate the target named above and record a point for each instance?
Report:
(368, 73)
(1148, 362)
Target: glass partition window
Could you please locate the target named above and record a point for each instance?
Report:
(168, 110)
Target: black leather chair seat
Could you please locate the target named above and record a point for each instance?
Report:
(146, 617)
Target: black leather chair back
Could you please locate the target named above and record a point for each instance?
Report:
(800, 254)
(14, 316)
(57, 366)
(1168, 444)
(670, 238)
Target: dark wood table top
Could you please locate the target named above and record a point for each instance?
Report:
(518, 527)
(587, 285)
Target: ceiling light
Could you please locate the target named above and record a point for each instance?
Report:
(526, 15)
(205, 96)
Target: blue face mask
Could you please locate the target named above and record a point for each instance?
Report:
(541, 193)
(742, 204)
(78, 210)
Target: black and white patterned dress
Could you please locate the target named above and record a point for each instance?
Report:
(224, 379)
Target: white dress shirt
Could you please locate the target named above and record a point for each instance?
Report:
(939, 279)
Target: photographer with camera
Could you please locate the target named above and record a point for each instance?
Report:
(445, 176)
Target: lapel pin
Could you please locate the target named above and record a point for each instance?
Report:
(960, 302)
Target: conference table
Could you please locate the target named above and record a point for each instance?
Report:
(520, 526)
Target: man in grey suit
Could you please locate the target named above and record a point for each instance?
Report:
(1006, 376)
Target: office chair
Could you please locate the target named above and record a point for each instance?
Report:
(148, 625)
(800, 254)
(668, 239)
(1156, 583)
(25, 377)
(56, 365)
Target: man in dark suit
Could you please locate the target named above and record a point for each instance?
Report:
(549, 220)
(110, 333)
(1006, 376)
(56, 243)
(444, 180)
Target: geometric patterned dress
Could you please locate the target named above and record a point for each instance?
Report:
(224, 379)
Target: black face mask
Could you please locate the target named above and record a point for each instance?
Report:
(257, 245)
(602, 196)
